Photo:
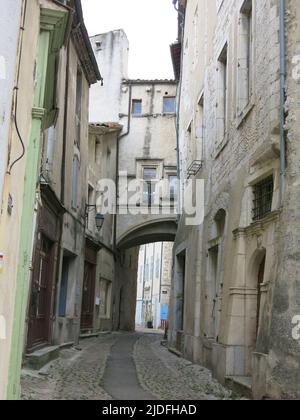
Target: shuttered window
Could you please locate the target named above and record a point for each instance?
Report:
(75, 180)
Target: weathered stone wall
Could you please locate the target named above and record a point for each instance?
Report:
(152, 138)
(284, 351)
(247, 153)
(102, 165)
(125, 290)
(111, 50)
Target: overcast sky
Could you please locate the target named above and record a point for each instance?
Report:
(151, 26)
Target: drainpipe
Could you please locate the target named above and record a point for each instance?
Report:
(117, 165)
(282, 101)
(117, 190)
(179, 99)
(144, 280)
(63, 163)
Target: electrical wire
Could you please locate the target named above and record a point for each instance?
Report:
(18, 133)
(16, 89)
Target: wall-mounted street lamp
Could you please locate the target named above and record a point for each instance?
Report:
(99, 218)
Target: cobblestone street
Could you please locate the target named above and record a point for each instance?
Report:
(121, 367)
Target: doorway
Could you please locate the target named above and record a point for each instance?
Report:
(215, 294)
(260, 280)
(88, 296)
(180, 300)
(41, 294)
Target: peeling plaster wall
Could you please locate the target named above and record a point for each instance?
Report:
(102, 165)
(73, 237)
(111, 50)
(9, 34)
(10, 224)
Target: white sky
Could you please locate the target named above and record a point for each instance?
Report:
(151, 26)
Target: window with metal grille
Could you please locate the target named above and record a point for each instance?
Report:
(263, 197)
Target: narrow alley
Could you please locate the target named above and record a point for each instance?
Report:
(149, 200)
(121, 366)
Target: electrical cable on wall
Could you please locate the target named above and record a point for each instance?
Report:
(16, 89)
(18, 133)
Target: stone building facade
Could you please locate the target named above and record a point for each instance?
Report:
(146, 151)
(60, 248)
(44, 27)
(103, 146)
(37, 221)
(153, 284)
(235, 278)
(112, 53)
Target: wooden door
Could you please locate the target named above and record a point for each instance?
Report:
(88, 296)
(41, 295)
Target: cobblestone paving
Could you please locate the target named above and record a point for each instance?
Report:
(78, 374)
(171, 378)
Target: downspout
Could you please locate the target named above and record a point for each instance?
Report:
(144, 281)
(152, 283)
(63, 170)
(117, 193)
(179, 103)
(62, 193)
(161, 271)
(282, 101)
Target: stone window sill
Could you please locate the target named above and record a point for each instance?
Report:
(166, 114)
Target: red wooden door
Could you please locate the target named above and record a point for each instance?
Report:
(41, 295)
(88, 296)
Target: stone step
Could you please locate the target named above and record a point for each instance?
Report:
(240, 384)
(42, 357)
(175, 351)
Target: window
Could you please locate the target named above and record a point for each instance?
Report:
(199, 121)
(222, 93)
(98, 45)
(263, 197)
(173, 187)
(137, 106)
(196, 37)
(245, 56)
(78, 111)
(150, 176)
(169, 105)
(75, 180)
(91, 210)
(50, 148)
